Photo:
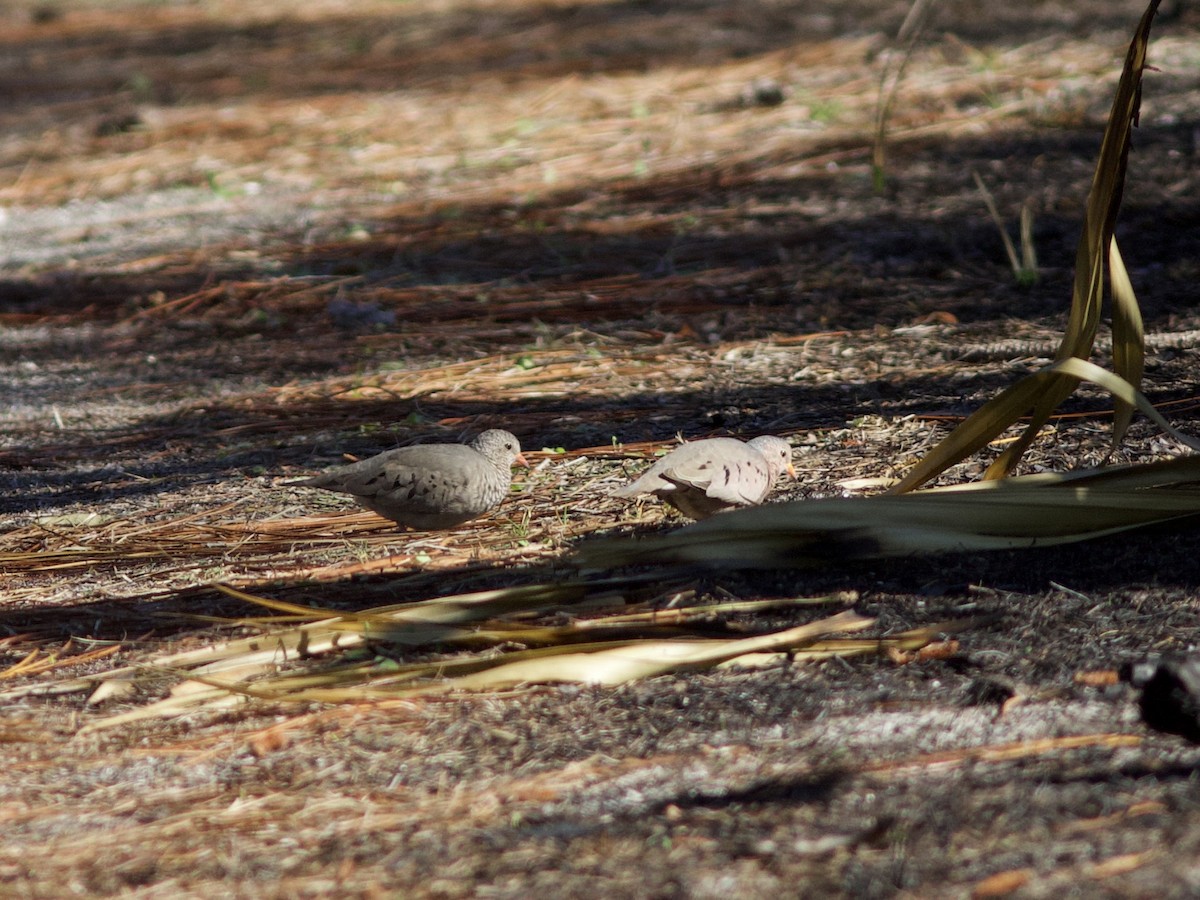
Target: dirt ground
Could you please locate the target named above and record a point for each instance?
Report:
(242, 240)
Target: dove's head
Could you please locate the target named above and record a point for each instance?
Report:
(778, 454)
(501, 447)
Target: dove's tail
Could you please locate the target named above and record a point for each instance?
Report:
(628, 490)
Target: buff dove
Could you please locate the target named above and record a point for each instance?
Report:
(705, 477)
(430, 486)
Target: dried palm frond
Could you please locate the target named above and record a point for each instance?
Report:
(1042, 392)
(604, 649)
(1029, 511)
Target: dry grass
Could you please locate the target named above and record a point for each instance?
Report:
(384, 100)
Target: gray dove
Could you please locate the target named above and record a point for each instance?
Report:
(430, 486)
(705, 477)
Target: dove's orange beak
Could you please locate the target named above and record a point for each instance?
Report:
(521, 461)
(791, 470)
